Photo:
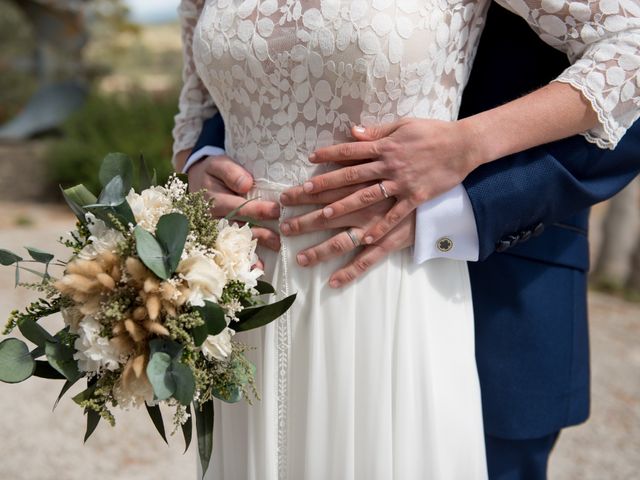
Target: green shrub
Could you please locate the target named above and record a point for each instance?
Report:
(134, 123)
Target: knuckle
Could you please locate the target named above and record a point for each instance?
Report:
(362, 265)
(349, 275)
(393, 218)
(345, 149)
(367, 197)
(335, 246)
(351, 174)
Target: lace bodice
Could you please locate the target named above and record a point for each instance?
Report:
(289, 76)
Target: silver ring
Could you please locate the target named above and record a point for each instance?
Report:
(353, 237)
(383, 190)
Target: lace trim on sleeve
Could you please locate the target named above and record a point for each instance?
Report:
(195, 104)
(602, 40)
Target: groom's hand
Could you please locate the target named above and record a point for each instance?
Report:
(227, 182)
(400, 237)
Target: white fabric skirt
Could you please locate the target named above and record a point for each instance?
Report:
(374, 381)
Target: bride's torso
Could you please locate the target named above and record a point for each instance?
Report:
(290, 76)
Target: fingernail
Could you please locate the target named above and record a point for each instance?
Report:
(327, 212)
(307, 187)
(284, 198)
(359, 129)
(285, 228)
(240, 181)
(334, 283)
(303, 261)
(312, 157)
(368, 239)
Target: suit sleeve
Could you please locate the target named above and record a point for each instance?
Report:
(520, 194)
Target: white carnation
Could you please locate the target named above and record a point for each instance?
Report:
(94, 352)
(205, 278)
(149, 206)
(102, 239)
(218, 347)
(236, 253)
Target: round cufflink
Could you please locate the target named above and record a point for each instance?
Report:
(444, 244)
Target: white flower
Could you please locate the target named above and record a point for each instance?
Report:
(102, 239)
(236, 249)
(205, 278)
(149, 206)
(218, 347)
(134, 393)
(94, 352)
(72, 317)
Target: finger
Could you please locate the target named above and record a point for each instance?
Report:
(363, 198)
(224, 204)
(367, 258)
(336, 246)
(297, 195)
(267, 238)
(346, 152)
(392, 219)
(374, 132)
(309, 222)
(259, 265)
(343, 177)
(236, 178)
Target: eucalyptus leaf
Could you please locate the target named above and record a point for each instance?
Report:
(116, 165)
(187, 429)
(93, 418)
(265, 288)
(214, 322)
(34, 332)
(114, 193)
(16, 363)
(256, 317)
(8, 258)
(37, 352)
(61, 358)
(232, 395)
(171, 233)
(204, 429)
(156, 418)
(79, 195)
(144, 175)
(45, 370)
(161, 380)
(39, 255)
(65, 388)
(171, 348)
(185, 382)
(151, 253)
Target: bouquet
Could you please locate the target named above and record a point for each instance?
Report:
(151, 297)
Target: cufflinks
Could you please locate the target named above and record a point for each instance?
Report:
(444, 244)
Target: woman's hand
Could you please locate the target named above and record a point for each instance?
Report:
(402, 236)
(415, 160)
(227, 182)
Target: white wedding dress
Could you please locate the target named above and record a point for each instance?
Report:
(375, 381)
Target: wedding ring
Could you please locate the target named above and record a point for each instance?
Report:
(353, 237)
(383, 190)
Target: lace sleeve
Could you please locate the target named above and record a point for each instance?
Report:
(602, 41)
(195, 104)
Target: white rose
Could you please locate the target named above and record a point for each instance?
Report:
(236, 253)
(218, 347)
(149, 206)
(102, 239)
(205, 278)
(94, 352)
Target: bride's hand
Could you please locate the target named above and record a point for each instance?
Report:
(227, 182)
(414, 159)
(400, 237)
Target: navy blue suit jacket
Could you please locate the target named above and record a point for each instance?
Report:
(529, 289)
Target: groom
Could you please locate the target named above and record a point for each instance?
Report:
(529, 221)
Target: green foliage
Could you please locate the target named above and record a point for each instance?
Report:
(39, 309)
(255, 317)
(204, 427)
(162, 253)
(214, 322)
(130, 123)
(168, 375)
(16, 363)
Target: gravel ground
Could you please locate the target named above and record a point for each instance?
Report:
(38, 444)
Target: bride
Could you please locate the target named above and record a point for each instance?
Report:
(377, 380)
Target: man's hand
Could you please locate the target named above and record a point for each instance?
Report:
(415, 160)
(226, 182)
(400, 237)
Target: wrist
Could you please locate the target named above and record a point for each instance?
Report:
(476, 139)
(181, 159)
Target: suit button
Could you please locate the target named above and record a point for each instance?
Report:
(513, 240)
(524, 236)
(444, 244)
(537, 231)
(502, 246)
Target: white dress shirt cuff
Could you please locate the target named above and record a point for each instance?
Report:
(446, 228)
(200, 154)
